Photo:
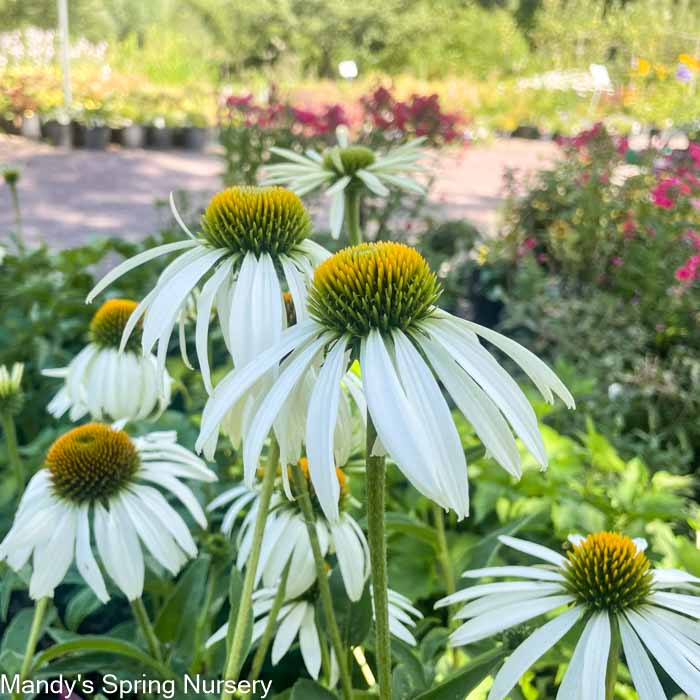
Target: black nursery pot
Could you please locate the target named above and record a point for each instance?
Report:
(195, 138)
(97, 137)
(132, 136)
(58, 133)
(159, 137)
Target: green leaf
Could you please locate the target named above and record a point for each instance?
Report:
(176, 621)
(398, 522)
(104, 644)
(81, 605)
(458, 686)
(305, 689)
(234, 597)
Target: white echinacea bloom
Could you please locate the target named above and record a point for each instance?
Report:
(606, 580)
(297, 619)
(108, 379)
(377, 301)
(97, 479)
(250, 239)
(345, 169)
(286, 540)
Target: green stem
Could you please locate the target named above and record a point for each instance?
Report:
(270, 627)
(8, 426)
(376, 486)
(304, 499)
(14, 195)
(443, 551)
(34, 633)
(613, 659)
(144, 622)
(352, 215)
(236, 653)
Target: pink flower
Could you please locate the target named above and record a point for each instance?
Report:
(616, 260)
(694, 152)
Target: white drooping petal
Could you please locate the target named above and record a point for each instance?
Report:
(85, 559)
(510, 615)
(644, 677)
(310, 643)
(287, 631)
(351, 556)
(529, 651)
(572, 683)
(272, 404)
(595, 657)
(373, 183)
(53, 557)
(320, 429)
(667, 578)
(134, 262)
(440, 432)
(337, 213)
(163, 312)
(228, 392)
(395, 419)
(541, 375)
(494, 602)
(493, 379)
(685, 675)
(501, 587)
(296, 282)
(126, 555)
(205, 303)
(488, 422)
(536, 550)
(533, 572)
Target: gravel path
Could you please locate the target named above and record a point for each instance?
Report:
(69, 197)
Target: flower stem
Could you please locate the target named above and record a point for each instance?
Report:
(443, 551)
(352, 215)
(34, 633)
(304, 499)
(8, 426)
(376, 486)
(14, 196)
(236, 653)
(144, 622)
(270, 627)
(613, 659)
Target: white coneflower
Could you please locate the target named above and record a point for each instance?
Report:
(250, 239)
(297, 619)
(345, 169)
(606, 580)
(110, 377)
(377, 301)
(286, 539)
(98, 479)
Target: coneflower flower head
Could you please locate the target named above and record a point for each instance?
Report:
(110, 377)
(378, 301)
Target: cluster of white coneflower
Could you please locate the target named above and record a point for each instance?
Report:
(328, 354)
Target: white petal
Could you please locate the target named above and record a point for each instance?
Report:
(309, 643)
(320, 429)
(686, 604)
(204, 307)
(501, 587)
(530, 651)
(644, 677)
(272, 404)
(683, 673)
(236, 383)
(127, 566)
(493, 603)
(177, 217)
(85, 560)
(476, 406)
(667, 578)
(395, 419)
(440, 434)
(595, 658)
(53, 557)
(337, 213)
(137, 260)
(678, 623)
(287, 632)
(541, 375)
(373, 183)
(181, 491)
(572, 683)
(297, 287)
(351, 558)
(536, 550)
(510, 615)
(522, 571)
